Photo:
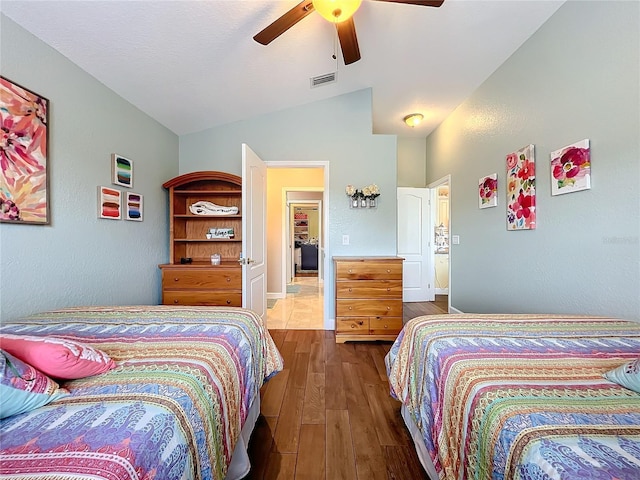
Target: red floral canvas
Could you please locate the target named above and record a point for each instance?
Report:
(521, 189)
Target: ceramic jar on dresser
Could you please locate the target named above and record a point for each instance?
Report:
(368, 299)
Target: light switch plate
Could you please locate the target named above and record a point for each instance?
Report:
(345, 239)
(455, 239)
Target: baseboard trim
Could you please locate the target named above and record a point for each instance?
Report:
(276, 295)
(454, 310)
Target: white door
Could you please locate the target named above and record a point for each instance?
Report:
(414, 244)
(254, 228)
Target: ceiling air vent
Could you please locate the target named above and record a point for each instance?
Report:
(323, 79)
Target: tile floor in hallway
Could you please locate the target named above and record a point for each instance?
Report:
(302, 310)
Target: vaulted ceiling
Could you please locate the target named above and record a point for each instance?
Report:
(193, 65)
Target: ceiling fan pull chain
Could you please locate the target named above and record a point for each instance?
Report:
(335, 48)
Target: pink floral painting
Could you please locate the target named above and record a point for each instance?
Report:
(23, 155)
(488, 191)
(521, 189)
(571, 168)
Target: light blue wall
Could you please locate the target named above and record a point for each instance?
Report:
(412, 162)
(577, 77)
(79, 259)
(337, 131)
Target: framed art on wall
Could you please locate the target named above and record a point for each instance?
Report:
(571, 168)
(109, 203)
(521, 189)
(133, 208)
(488, 191)
(121, 171)
(24, 184)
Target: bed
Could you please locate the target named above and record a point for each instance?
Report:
(519, 396)
(179, 401)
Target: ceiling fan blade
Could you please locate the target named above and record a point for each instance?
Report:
(284, 23)
(424, 3)
(348, 41)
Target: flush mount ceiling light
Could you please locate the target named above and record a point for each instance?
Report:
(336, 11)
(413, 119)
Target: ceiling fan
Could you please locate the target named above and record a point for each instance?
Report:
(336, 11)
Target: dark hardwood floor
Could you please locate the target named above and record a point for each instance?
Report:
(329, 416)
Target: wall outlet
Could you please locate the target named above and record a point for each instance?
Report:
(345, 239)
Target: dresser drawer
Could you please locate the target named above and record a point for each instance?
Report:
(215, 278)
(369, 289)
(370, 270)
(352, 325)
(385, 325)
(368, 308)
(202, 297)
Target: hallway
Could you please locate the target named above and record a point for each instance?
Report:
(302, 309)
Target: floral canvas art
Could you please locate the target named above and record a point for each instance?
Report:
(571, 168)
(488, 191)
(521, 189)
(24, 193)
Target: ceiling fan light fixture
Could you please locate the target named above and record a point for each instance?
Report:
(336, 11)
(413, 119)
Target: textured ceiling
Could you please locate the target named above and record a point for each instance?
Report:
(193, 65)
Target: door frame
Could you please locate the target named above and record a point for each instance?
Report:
(289, 232)
(325, 254)
(446, 180)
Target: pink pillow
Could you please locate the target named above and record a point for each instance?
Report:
(57, 357)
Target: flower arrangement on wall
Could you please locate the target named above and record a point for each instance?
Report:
(363, 198)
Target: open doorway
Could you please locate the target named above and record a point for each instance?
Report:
(305, 234)
(441, 226)
(296, 189)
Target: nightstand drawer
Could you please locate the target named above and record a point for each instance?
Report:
(369, 308)
(215, 278)
(353, 325)
(385, 325)
(203, 297)
(369, 270)
(369, 289)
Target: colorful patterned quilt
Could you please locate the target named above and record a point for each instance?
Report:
(520, 396)
(173, 408)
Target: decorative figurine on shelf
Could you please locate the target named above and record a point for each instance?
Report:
(209, 208)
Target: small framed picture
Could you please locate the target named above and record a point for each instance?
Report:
(133, 208)
(121, 171)
(488, 191)
(571, 168)
(109, 201)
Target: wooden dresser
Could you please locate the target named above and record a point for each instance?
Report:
(368, 298)
(190, 237)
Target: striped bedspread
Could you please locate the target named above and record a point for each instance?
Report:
(173, 408)
(520, 396)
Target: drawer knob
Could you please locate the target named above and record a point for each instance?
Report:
(386, 326)
(388, 308)
(360, 322)
(351, 290)
(176, 279)
(350, 308)
(228, 302)
(388, 289)
(175, 301)
(353, 326)
(388, 270)
(350, 271)
(228, 279)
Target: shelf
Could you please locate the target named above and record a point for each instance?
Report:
(207, 239)
(208, 192)
(204, 217)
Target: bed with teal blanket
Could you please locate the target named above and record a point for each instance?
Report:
(520, 396)
(185, 383)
